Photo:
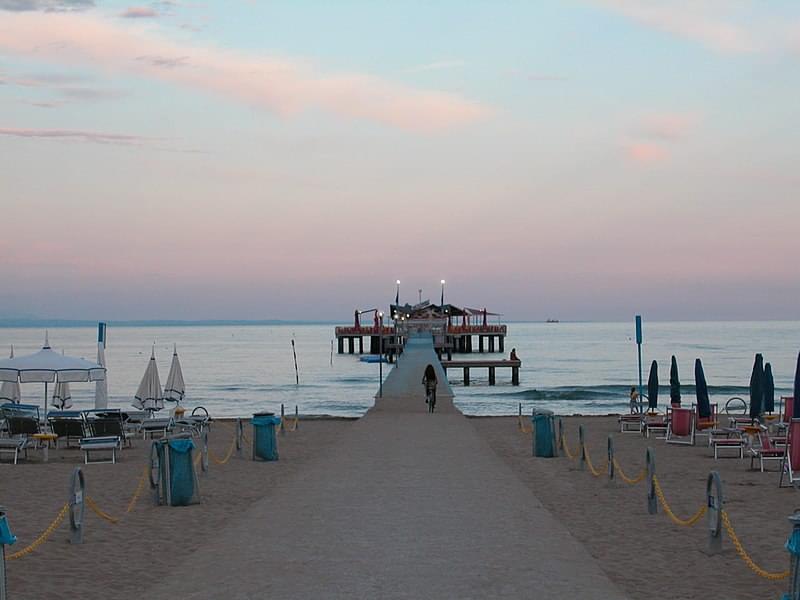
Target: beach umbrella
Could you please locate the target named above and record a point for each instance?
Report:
(9, 391)
(652, 387)
(47, 366)
(674, 383)
(174, 387)
(101, 387)
(796, 404)
(757, 388)
(701, 391)
(769, 389)
(62, 399)
(148, 396)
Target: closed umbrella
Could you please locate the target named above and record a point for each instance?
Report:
(174, 387)
(9, 391)
(47, 366)
(796, 406)
(674, 383)
(652, 387)
(769, 389)
(701, 391)
(62, 399)
(101, 387)
(757, 388)
(148, 396)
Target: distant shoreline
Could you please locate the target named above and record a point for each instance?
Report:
(38, 323)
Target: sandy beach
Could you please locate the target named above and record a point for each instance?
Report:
(645, 556)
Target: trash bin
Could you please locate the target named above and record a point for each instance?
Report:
(544, 437)
(265, 444)
(177, 481)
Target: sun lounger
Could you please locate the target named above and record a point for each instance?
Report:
(680, 426)
(630, 423)
(68, 425)
(161, 426)
(703, 425)
(107, 422)
(766, 452)
(15, 446)
(655, 422)
(105, 443)
(792, 455)
(728, 438)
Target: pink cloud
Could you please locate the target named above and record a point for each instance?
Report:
(138, 12)
(667, 126)
(645, 152)
(279, 85)
(689, 20)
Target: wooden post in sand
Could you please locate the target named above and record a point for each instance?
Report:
(583, 448)
(652, 501)
(612, 482)
(715, 502)
(77, 489)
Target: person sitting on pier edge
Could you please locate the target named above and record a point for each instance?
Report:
(429, 381)
(634, 400)
(513, 354)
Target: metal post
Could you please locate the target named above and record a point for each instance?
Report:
(77, 488)
(793, 546)
(715, 502)
(6, 538)
(296, 417)
(283, 420)
(652, 501)
(155, 469)
(204, 452)
(611, 466)
(560, 434)
(380, 357)
(639, 346)
(583, 448)
(239, 434)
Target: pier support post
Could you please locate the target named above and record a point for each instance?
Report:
(351, 345)
(491, 375)
(360, 345)
(514, 375)
(491, 343)
(466, 376)
(480, 344)
(340, 343)
(502, 341)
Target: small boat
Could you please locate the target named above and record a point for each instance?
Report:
(551, 321)
(370, 358)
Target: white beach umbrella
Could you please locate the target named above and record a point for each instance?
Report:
(101, 387)
(47, 366)
(174, 387)
(148, 396)
(62, 399)
(9, 390)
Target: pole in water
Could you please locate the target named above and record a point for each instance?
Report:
(331, 352)
(296, 372)
(639, 346)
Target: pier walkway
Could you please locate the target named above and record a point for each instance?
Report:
(407, 505)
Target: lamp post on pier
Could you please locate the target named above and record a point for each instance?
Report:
(442, 302)
(380, 357)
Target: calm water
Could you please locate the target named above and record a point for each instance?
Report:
(567, 367)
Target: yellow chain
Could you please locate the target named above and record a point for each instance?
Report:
(138, 491)
(43, 537)
(745, 556)
(676, 519)
(569, 454)
(592, 470)
(228, 455)
(99, 511)
(521, 425)
(284, 420)
(630, 481)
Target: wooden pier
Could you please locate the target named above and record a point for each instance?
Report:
(458, 339)
(492, 365)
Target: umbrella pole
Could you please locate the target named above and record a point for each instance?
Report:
(45, 402)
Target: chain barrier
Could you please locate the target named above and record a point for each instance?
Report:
(592, 470)
(629, 480)
(726, 521)
(228, 454)
(570, 455)
(521, 424)
(673, 517)
(43, 537)
(99, 511)
(291, 428)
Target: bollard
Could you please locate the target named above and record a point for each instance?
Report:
(560, 434)
(793, 546)
(6, 539)
(583, 448)
(611, 468)
(519, 410)
(77, 488)
(296, 417)
(204, 453)
(239, 434)
(715, 502)
(652, 501)
(283, 421)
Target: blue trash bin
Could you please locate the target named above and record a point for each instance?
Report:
(177, 483)
(544, 439)
(265, 443)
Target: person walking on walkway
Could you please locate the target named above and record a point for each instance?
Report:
(429, 381)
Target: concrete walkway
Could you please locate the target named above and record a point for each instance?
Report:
(408, 505)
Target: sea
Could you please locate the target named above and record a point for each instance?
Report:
(569, 368)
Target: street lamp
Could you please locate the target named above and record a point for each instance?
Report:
(380, 358)
(397, 294)
(442, 302)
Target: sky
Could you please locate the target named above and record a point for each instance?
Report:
(580, 160)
